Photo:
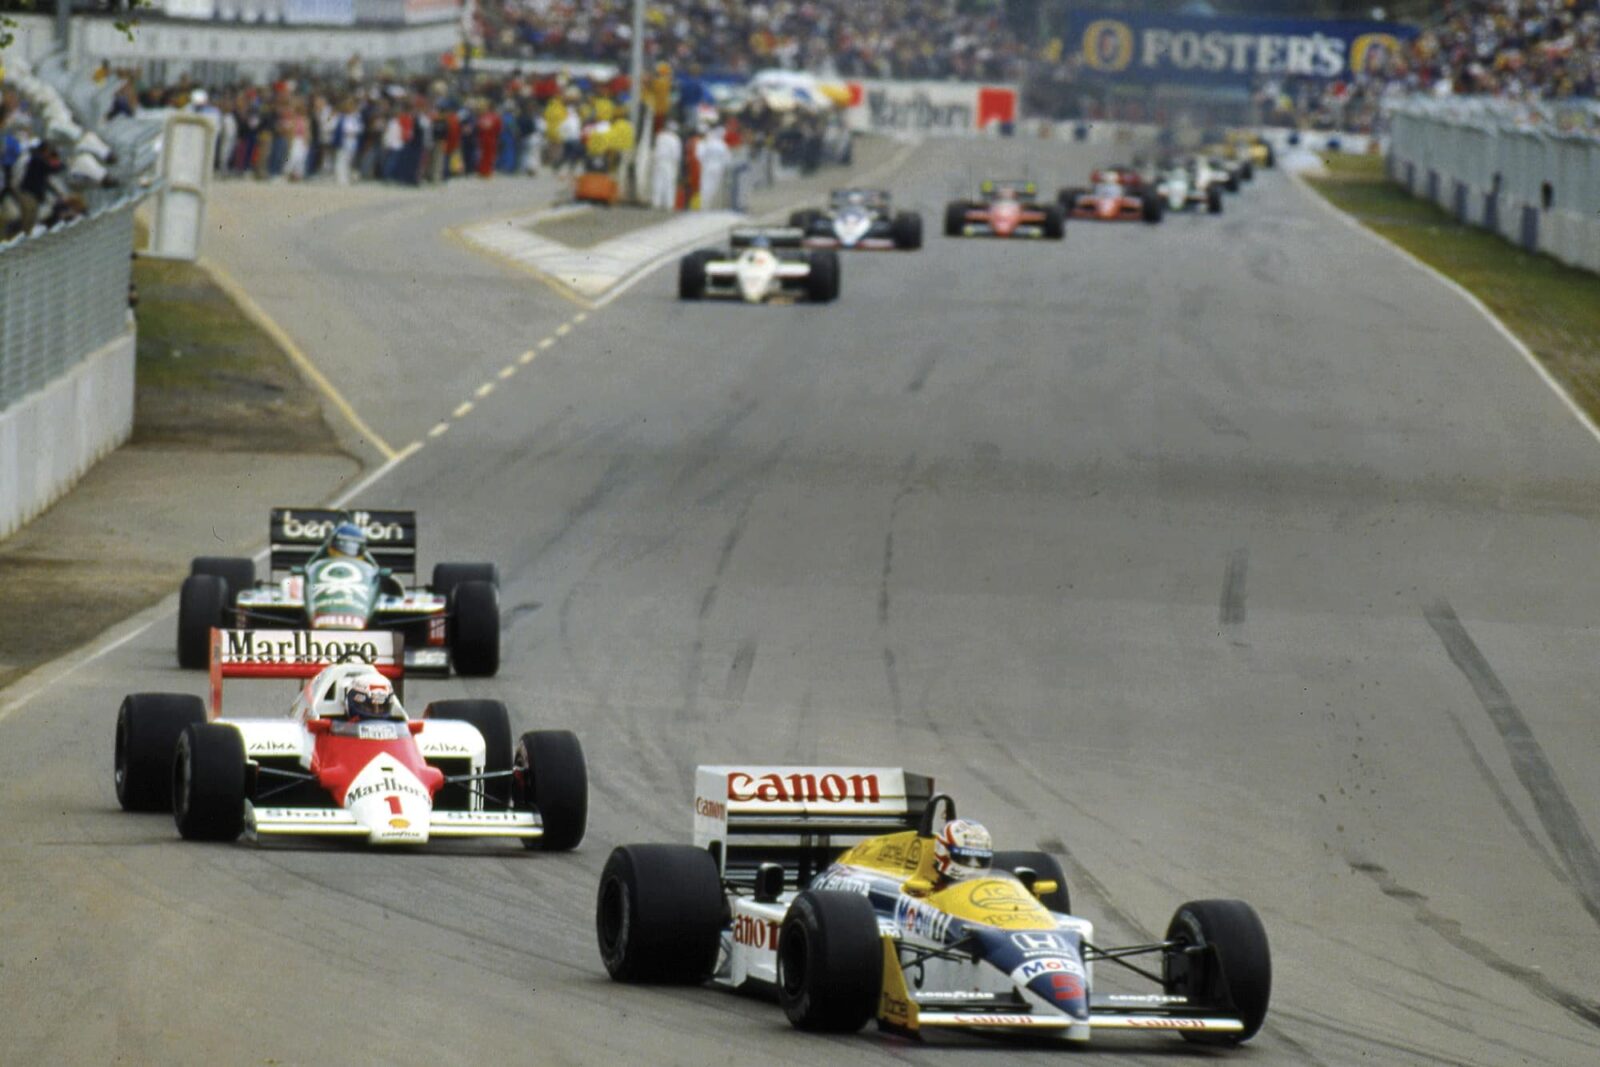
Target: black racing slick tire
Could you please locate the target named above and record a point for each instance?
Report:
(474, 629)
(1231, 971)
(238, 572)
(692, 275)
(804, 220)
(1068, 198)
(1153, 208)
(209, 780)
(148, 726)
(822, 284)
(493, 722)
(203, 603)
(1248, 171)
(1055, 223)
(1048, 868)
(830, 962)
(1213, 200)
(446, 576)
(906, 229)
(955, 218)
(551, 775)
(658, 915)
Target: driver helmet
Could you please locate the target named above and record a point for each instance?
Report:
(761, 240)
(348, 540)
(963, 849)
(369, 696)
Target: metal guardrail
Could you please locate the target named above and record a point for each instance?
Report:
(63, 296)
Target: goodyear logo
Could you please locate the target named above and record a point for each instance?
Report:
(1108, 45)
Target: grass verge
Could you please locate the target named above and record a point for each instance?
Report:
(1554, 308)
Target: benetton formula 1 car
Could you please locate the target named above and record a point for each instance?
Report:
(761, 265)
(859, 218)
(819, 884)
(454, 621)
(1005, 209)
(323, 772)
(1111, 199)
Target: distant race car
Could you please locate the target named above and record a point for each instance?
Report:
(761, 265)
(1193, 186)
(858, 218)
(347, 761)
(1111, 199)
(1004, 209)
(831, 888)
(313, 584)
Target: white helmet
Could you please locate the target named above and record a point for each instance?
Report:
(369, 695)
(963, 849)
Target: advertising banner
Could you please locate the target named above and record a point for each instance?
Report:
(929, 107)
(319, 12)
(1225, 51)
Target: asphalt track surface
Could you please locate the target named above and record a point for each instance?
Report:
(1229, 557)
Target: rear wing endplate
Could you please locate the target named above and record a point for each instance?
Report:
(296, 534)
(299, 654)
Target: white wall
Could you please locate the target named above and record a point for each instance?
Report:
(51, 437)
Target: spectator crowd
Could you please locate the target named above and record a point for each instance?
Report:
(38, 187)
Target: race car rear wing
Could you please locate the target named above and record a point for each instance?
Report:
(1018, 187)
(299, 654)
(873, 197)
(295, 535)
(801, 817)
(777, 236)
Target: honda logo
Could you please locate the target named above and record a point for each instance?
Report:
(1041, 943)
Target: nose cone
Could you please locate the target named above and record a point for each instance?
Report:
(389, 801)
(1062, 989)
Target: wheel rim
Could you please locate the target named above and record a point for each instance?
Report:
(120, 760)
(183, 775)
(792, 951)
(614, 916)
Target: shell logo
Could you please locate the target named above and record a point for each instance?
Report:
(1372, 52)
(1107, 45)
(399, 824)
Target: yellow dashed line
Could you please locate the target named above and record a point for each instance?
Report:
(439, 429)
(564, 329)
(507, 371)
(484, 390)
(527, 357)
(579, 317)
(547, 342)
(466, 406)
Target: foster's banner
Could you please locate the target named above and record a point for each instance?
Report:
(1227, 52)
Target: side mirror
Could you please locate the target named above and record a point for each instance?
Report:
(319, 726)
(769, 882)
(1044, 887)
(916, 887)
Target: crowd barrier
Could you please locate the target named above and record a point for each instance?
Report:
(1530, 174)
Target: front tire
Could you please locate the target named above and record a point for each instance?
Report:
(906, 229)
(955, 218)
(446, 576)
(822, 284)
(1235, 975)
(551, 775)
(1153, 209)
(830, 962)
(692, 275)
(475, 629)
(202, 604)
(658, 915)
(209, 782)
(148, 727)
(1213, 200)
(491, 719)
(1055, 223)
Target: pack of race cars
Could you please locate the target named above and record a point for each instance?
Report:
(800, 261)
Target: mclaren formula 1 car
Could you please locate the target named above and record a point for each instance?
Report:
(820, 885)
(859, 218)
(341, 765)
(1191, 186)
(1004, 209)
(311, 584)
(1111, 198)
(761, 265)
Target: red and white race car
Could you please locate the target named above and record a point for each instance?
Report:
(1116, 195)
(347, 761)
(1005, 209)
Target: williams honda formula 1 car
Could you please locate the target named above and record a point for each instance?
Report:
(859, 218)
(823, 885)
(760, 265)
(338, 570)
(1006, 209)
(347, 761)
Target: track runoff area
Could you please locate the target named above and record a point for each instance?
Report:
(1230, 557)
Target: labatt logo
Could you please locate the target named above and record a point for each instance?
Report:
(297, 646)
(318, 529)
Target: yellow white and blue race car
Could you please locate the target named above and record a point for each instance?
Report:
(820, 884)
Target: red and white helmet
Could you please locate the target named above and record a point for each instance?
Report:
(369, 696)
(963, 849)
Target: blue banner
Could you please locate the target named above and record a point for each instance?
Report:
(1226, 51)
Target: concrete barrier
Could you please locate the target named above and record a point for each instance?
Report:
(50, 437)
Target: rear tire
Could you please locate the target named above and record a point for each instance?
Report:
(446, 576)
(475, 629)
(906, 229)
(1046, 867)
(1153, 209)
(1213, 200)
(1248, 171)
(658, 915)
(822, 285)
(955, 218)
(148, 726)
(203, 603)
(491, 719)
(1055, 223)
(1235, 976)
(552, 775)
(803, 220)
(239, 573)
(830, 962)
(209, 782)
(1068, 199)
(692, 275)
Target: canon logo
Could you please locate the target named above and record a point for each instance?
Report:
(711, 809)
(803, 788)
